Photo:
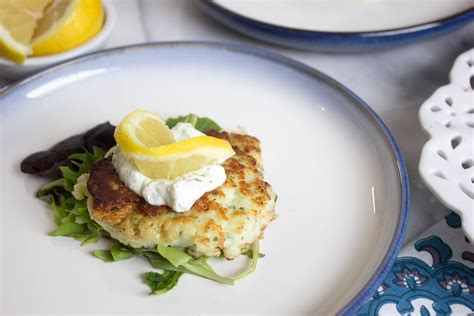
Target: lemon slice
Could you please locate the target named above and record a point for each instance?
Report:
(18, 20)
(141, 130)
(67, 24)
(146, 138)
(174, 160)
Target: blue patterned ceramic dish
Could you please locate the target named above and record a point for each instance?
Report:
(433, 275)
(262, 21)
(341, 180)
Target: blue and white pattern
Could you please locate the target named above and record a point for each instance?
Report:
(433, 275)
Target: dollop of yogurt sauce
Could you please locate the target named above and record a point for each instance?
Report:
(180, 193)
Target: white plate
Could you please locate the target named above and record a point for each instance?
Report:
(347, 16)
(447, 159)
(343, 191)
(341, 25)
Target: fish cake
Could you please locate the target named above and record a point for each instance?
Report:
(225, 221)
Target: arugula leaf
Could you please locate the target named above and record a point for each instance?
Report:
(180, 259)
(117, 252)
(121, 254)
(104, 255)
(200, 123)
(59, 211)
(158, 262)
(67, 227)
(71, 215)
(86, 238)
(113, 254)
(249, 254)
(46, 189)
(161, 283)
(253, 262)
(201, 268)
(82, 163)
(174, 255)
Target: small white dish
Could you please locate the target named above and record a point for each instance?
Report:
(447, 159)
(12, 71)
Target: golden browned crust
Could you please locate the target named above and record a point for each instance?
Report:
(108, 190)
(110, 193)
(227, 219)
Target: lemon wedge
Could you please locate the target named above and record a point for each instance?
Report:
(146, 138)
(67, 24)
(18, 20)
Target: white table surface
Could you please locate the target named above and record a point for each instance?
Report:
(393, 82)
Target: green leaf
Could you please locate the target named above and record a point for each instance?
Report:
(58, 212)
(117, 252)
(82, 163)
(121, 254)
(174, 255)
(68, 227)
(205, 123)
(87, 237)
(70, 215)
(253, 262)
(81, 220)
(104, 255)
(198, 267)
(158, 262)
(200, 123)
(201, 268)
(249, 254)
(48, 198)
(82, 214)
(45, 190)
(161, 283)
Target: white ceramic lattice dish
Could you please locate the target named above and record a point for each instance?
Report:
(447, 159)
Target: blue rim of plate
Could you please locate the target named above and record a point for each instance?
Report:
(333, 41)
(384, 267)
